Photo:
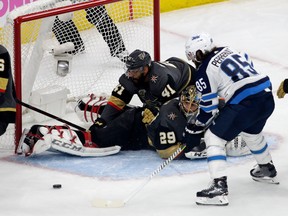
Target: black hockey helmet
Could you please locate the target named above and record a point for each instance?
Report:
(138, 59)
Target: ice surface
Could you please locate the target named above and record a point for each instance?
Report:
(258, 27)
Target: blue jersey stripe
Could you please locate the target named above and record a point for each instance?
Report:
(216, 157)
(210, 108)
(260, 151)
(209, 96)
(250, 91)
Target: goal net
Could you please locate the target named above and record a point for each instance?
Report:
(64, 49)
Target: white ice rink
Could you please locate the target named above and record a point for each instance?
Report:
(258, 27)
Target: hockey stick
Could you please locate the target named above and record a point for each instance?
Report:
(49, 115)
(102, 203)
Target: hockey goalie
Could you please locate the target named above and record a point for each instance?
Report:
(125, 132)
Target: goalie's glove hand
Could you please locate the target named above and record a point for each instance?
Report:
(192, 135)
(149, 114)
(194, 129)
(282, 89)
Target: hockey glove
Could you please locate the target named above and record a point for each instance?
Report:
(150, 114)
(192, 136)
(282, 89)
(194, 129)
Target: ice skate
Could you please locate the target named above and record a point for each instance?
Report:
(265, 173)
(216, 194)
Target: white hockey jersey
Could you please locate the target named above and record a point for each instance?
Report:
(228, 74)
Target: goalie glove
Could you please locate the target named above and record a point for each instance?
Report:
(282, 89)
(194, 129)
(150, 114)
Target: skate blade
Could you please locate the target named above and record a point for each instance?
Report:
(267, 180)
(102, 203)
(215, 201)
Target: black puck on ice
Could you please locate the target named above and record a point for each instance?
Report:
(57, 186)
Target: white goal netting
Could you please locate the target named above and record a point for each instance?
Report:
(78, 47)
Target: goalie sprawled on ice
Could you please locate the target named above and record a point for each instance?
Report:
(126, 132)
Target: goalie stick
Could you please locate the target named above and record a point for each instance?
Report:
(103, 203)
(50, 115)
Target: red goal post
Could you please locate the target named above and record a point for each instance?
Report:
(130, 27)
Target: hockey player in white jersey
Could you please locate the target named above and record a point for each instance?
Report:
(224, 72)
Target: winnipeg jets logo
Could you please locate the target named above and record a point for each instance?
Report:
(172, 116)
(195, 37)
(154, 78)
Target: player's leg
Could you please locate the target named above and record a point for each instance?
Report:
(99, 17)
(216, 138)
(3, 127)
(265, 170)
(217, 191)
(66, 31)
(119, 131)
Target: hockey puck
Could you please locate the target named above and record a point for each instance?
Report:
(57, 186)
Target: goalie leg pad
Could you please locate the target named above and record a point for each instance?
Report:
(65, 146)
(197, 152)
(67, 141)
(40, 146)
(31, 141)
(237, 147)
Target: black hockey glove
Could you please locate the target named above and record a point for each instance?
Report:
(192, 136)
(194, 129)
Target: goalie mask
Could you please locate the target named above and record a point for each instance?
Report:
(189, 101)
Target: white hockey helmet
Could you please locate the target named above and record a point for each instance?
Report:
(202, 42)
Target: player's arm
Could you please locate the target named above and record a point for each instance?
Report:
(167, 89)
(120, 97)
(208, 106)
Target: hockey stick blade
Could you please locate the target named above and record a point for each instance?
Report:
(102, 203)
